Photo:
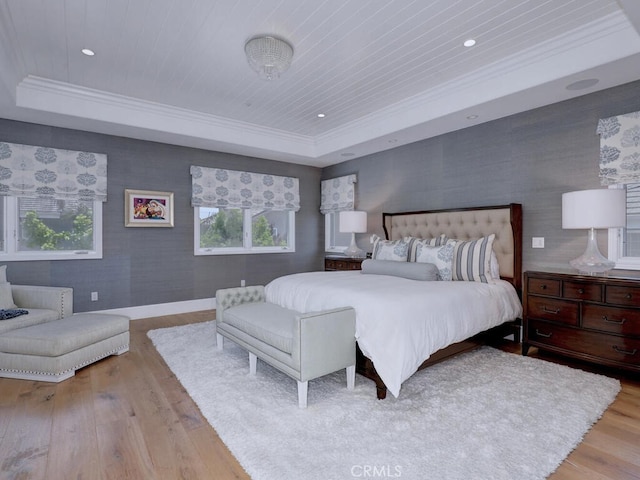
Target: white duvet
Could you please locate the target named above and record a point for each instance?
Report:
(400, 322)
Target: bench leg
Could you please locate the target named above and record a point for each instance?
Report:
(219, 341)
(253, 361)
(302, 394)
(351, 377)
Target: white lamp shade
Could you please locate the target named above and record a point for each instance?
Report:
(353, 221)
(599, 208)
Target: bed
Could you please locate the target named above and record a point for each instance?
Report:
(404, 325)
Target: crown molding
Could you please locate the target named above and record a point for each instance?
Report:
(430, 113)
(67, 99)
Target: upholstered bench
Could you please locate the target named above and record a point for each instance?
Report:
(302, 345)
(54, 350)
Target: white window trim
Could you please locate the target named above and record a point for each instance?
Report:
(616, 248)
(11, 253)
(246, 248)
(328, 225)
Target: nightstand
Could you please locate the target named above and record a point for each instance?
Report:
(342, 263)
(593, 318)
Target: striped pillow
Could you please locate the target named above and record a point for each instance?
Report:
(415, 243)
(471, 260)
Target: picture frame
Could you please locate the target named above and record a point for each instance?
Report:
(147, 208)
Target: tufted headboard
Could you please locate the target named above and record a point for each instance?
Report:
(468, 224)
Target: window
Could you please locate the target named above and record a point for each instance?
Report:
(334, 240)
(220, 231)
(50, 229)
(624, 243)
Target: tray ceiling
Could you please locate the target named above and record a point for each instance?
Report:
(384, 72)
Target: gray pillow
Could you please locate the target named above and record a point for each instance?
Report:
(6, 296)
(410, 270)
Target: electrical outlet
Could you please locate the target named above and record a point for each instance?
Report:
(94, 296)
(537, 242)
(242, 284)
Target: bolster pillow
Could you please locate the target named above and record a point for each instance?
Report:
(410, 270)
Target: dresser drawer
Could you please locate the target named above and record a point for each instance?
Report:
(589, 344)
(611, 319)
(582, 291)
(342, 264)
(542, 286)
(563, 311)
(622, 295)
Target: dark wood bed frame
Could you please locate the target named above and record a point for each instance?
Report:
(463, 224)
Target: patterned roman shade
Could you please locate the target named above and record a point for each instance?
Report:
(40, 172)
(620, 149)
(337, 194)
(216, 187)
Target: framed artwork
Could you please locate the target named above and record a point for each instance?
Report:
(144, 208)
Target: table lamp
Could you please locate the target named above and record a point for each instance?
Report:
(353, 221)
(592, 209)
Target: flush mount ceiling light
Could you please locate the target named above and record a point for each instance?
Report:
(269, 56)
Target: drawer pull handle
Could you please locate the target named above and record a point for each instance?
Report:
(555, 311)
(625, 352)
(616, 322)
(545, 335)
(628, 296)
(543, 287)
(581, 291)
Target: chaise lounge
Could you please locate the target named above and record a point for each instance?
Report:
(49, 342)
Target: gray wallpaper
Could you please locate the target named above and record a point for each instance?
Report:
(146, 266)
(530, 158)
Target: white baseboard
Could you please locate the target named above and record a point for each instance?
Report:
(158, 310)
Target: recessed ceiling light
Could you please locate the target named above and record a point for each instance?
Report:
(582, 84)
(321, 115)
(472, 117)
(88, 52)
(347, 154)
(393, 140)
(469, 43)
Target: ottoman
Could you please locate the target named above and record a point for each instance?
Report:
(54, 350)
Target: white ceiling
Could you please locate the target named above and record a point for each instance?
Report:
(385, 72)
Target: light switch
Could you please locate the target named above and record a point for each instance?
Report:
(537, 242)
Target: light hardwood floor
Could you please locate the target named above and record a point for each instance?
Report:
(128, 417)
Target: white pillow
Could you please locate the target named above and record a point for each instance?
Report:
(396, 250)
(494, 266)
(410, 270)
(6, 297)
(441, 257)
(472, 259)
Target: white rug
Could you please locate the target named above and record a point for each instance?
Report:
(483, 415)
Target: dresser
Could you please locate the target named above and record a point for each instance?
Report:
(593, 318)
(342, 263)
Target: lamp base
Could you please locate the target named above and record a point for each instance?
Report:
(592, 261)
(353, 250)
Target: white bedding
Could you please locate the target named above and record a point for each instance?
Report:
(400, 322)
